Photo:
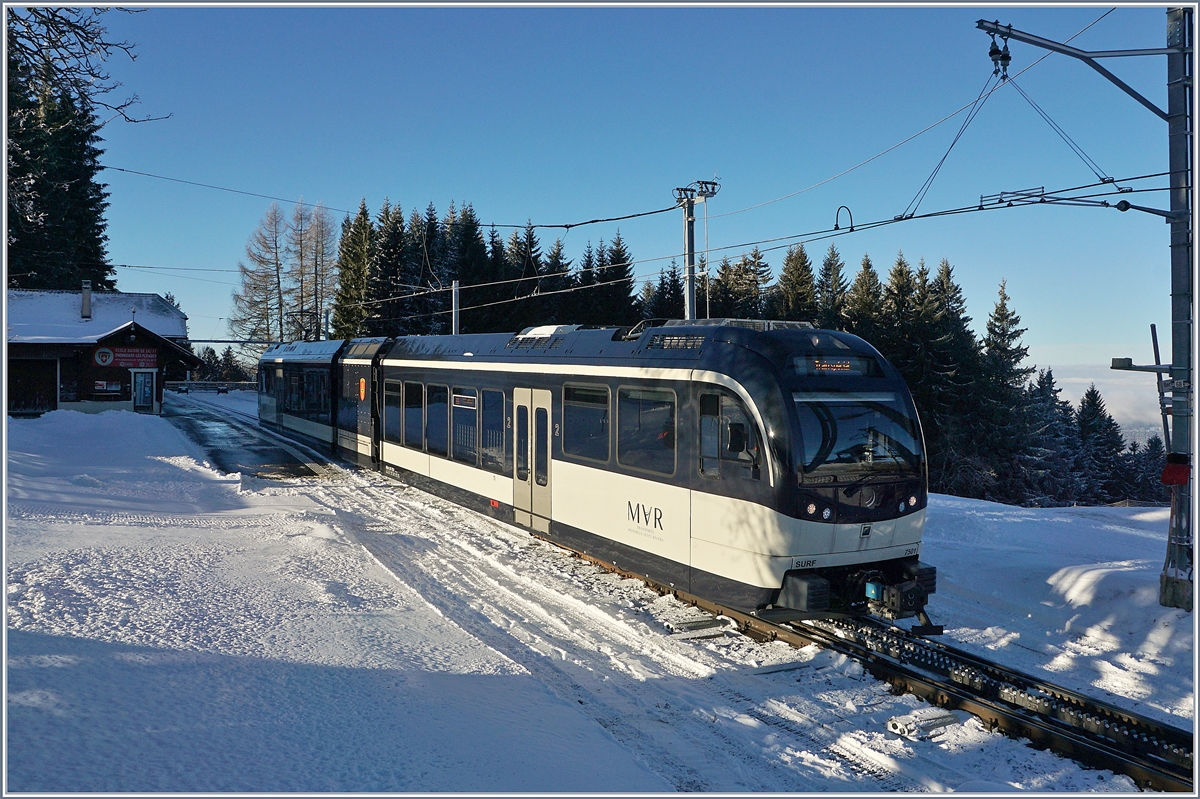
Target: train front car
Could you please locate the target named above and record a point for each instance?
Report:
(852, 510)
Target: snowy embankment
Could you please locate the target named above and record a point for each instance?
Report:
(173, 628)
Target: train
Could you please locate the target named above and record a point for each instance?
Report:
(766, 466)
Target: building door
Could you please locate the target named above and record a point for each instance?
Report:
(143, 392)
(531, 461)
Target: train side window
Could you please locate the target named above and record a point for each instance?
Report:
(646, 429)
(585, 422)
(414, 417)
(437, 411)
(491, 449)
(541, 444)
(393, 411)
(710, 435)
(522, 433)
(729, 446)
(464, 424)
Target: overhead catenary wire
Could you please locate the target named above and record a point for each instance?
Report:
(564, 226)
(1050, 198)
(1075, 148)
(921, 132)
(915, 202)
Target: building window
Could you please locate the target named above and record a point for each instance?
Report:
(414, 417)
(491, 451)
(437, 407)
(393, 411)
(585, 422)
(646, 429)
(464, 424)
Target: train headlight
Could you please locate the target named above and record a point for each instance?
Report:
(825, 514)
(812, 508)
(912, 502)
(901, 508)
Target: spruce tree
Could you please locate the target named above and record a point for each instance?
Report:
(468, 264)
(668, 295)
(831, 291)
(524, 255)
(1004, 428)
(356, 254)
(864, 303)
(1054, 444)
(1103, 446)
(900, 310)
(555, 286)
(950, 419)
(582, 307)
(794, 296)
(388, 302)
(616, 294)
(56, 228)
(723, 299)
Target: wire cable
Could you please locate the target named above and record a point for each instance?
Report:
(915, 202)
(921, 132)
(1075, 148)
(564, 226)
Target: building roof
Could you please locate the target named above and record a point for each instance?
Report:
(53, 317)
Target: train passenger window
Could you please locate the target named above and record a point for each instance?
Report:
(491, 418)
(414, 417)
(585, 421)
(393, 411)
(541, 446)
(729, 446)
(437, 408)
(522, 443)
(646, 429)
(464, 425)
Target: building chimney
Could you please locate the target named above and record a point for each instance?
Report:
(85, 310)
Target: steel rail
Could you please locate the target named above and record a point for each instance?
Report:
(1155, 755)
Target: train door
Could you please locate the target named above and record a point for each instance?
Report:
(531, 457)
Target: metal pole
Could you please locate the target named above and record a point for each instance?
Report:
(689, 258)
(1162, 401)
(454, 308)
(1175, 585)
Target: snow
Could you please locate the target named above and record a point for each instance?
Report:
(174, 628)
(49, 317)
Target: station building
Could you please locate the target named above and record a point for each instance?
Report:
(92, 351)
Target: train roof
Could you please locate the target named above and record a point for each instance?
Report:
(683, 342)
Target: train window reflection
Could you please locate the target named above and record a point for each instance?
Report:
(863, 430)
(646, 429)
(393, 409)
(585, 422)
(464, 419)
(437, 407)
(414, 417)
(491, 450)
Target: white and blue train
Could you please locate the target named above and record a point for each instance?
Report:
(765, 466)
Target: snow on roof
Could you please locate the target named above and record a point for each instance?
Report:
(302, 351)
(53, 317)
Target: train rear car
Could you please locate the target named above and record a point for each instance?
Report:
(295, 389)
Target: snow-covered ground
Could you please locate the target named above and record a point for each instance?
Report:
(174, 628)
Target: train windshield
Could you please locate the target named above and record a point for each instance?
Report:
(859, 432)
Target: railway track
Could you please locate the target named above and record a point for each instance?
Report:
(1097, 734)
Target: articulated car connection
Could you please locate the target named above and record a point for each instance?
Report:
(765, 466)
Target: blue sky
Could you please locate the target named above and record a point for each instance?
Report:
(565, 114)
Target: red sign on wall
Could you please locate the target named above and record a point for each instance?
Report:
(127, 357)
